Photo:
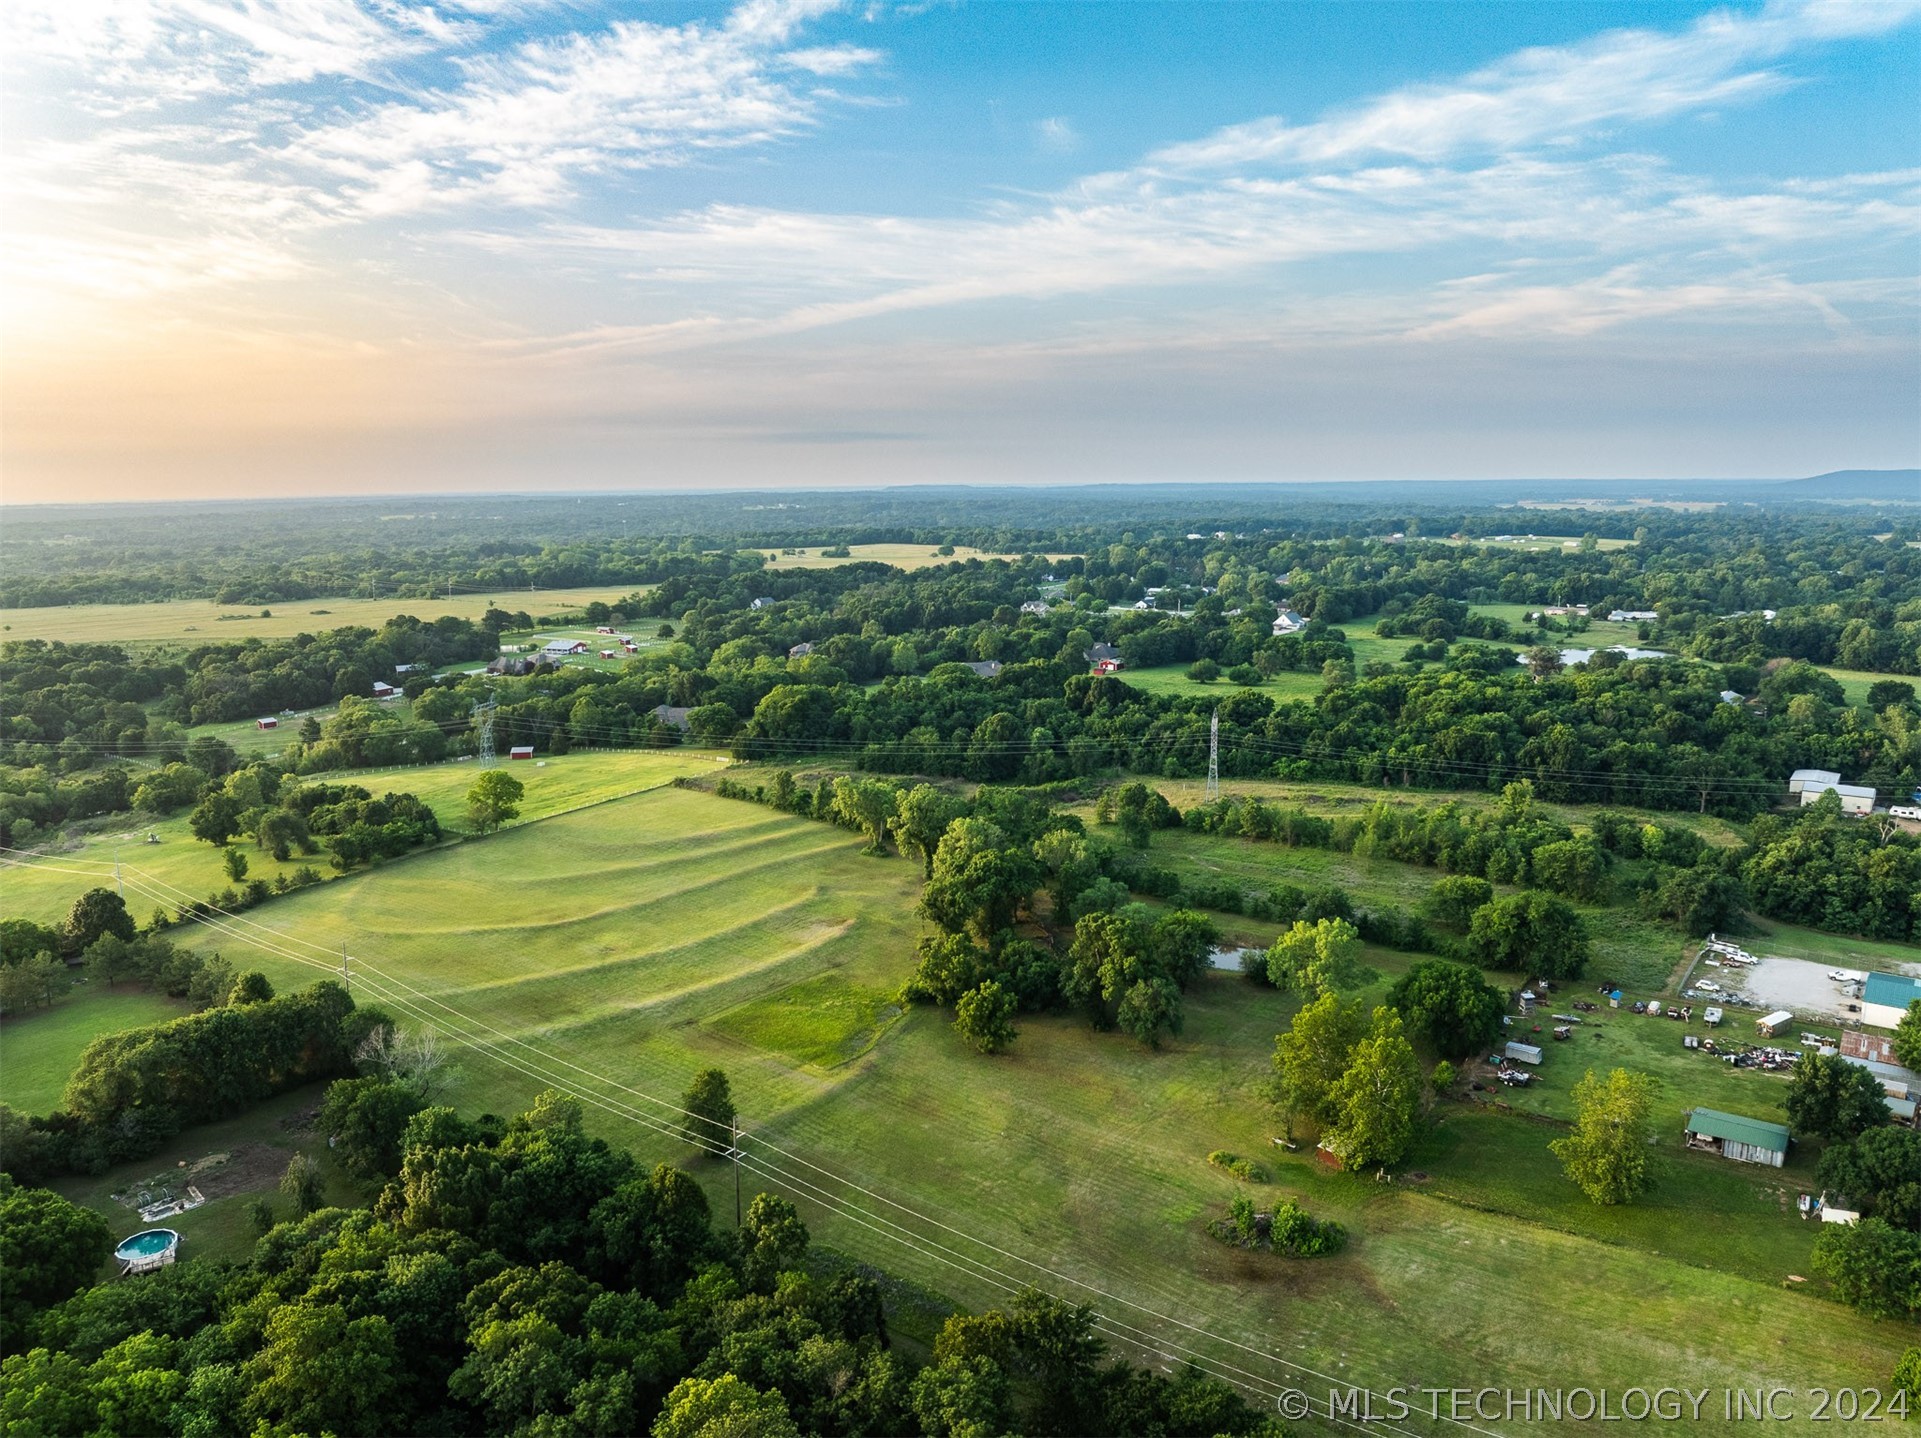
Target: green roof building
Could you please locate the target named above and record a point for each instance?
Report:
(1745, 1140)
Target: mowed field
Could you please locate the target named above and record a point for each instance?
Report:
(618, 949)
(901, 556)
(181, 867)
(201, 621)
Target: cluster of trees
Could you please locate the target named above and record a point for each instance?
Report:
(524, 1277)
(283, 816)
(135, 1089)
(1829, 871)
(1354, 1076)
(1289, 1230)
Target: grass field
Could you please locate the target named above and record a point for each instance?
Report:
(44, 889)
(38, 1050)
(201, 621)
(1539, 543)
(1172, 679)
(646, 938)
(901, 556)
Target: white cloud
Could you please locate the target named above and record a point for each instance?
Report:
(1555, 93)
(1056, 136)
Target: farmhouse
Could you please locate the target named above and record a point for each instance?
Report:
(1885, 999)
(1288, 622)
(558, 648)
(1745, 1140)
(1035, 606)
(1106, 659)
(521, 751)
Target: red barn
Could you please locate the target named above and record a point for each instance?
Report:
(521, 751)
(266, 723)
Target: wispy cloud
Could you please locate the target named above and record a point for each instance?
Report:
(1555, 93)
(1056, 136)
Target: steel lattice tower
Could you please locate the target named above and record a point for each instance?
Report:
(484, 722)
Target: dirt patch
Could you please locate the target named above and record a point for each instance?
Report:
(1797, 985)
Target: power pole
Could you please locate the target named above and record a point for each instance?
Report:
(118, 887)
(736, 1158)
(1214, 758)
(345, 977)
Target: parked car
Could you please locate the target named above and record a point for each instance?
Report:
(1707, 986)
(1840, 976)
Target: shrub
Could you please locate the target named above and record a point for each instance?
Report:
(1244, 1169)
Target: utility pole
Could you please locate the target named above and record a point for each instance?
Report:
(736, 1158)
(118, 887)
(1214, 758)
(345, 977)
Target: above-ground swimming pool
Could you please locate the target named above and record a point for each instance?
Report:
(149, 1249)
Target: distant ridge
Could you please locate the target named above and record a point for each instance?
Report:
(1880, 484)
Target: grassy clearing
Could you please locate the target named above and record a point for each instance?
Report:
(44, 889)
(648, 938)
(257, 1147)
(901, 556)
(201, 621)
(820, 1022)
(1172, 679)
(39, 1050)
(1536, 543)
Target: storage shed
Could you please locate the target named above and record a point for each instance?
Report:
(1745, 1140)
(521, 751)
(1524, 1053)
(1778, 1022)
(266, 723)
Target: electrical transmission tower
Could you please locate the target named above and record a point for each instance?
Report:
(484, 723)
(1214, 758)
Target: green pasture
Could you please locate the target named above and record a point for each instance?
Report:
(1537, 543)
(201, 621)
(643, 631)
(40, 1049)
(180, 867)
(901, 556)
(1172, 679)
(620, 948)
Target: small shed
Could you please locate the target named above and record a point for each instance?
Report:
(1712, 1017)
(1778, 1022)
(1524, 1053)
(266, 723)
(521, 751)
(384, 690)
(1745, 1140)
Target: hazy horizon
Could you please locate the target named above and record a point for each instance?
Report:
(330, 248)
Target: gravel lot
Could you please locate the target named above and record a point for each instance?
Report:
(1796, 984)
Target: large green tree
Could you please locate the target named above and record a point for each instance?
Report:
(1530, 933)
(984, 1017)
(1873, 1265)
(1316, 958)
(493, 799)
(1377, 1100)
(95, 914)
(920, 819)
(1877, 1172)
(1606, 1155)
(49, 1248)
(1831, 1098)
(1449, 1007)
(1311, 1056)
(723, 1407)
(867, 805)
(708, 1111)
(1907, 1037)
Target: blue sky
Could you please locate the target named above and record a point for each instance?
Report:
(293, 246)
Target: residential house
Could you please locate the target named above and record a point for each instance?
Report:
(673, 715)
(1631, 616)
(800, 651)
(1288, 622)
(986, 668)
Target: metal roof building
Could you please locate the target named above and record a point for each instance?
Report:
(1732, 1135)
(1885, 999)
